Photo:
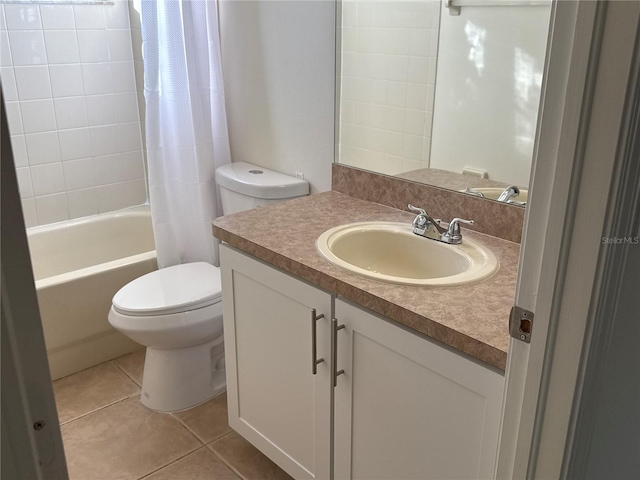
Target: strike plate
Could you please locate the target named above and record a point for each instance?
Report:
(521, 324)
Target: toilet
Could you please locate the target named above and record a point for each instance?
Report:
(176, 312)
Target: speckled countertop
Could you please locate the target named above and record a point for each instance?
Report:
(470, 318)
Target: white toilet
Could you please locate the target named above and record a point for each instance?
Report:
(176, 312)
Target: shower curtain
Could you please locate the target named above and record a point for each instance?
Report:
(186, 122)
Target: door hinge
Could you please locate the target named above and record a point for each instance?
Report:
(520, 324)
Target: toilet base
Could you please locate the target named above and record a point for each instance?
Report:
(179, 379)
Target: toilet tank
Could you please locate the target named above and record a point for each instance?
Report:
(244, 186)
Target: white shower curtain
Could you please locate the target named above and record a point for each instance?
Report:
(187, 137)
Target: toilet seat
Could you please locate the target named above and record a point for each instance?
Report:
(171, 290)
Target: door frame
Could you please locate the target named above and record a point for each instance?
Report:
(590, 74)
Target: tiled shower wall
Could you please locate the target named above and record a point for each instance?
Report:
(388, 65)
(70, 91)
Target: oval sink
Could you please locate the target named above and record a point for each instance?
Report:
(391, 252)
(493, 193)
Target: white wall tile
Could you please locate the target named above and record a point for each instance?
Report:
(33, 82)
(97, 78)
(42, 148)
(79, 174)
(416, 96)
(420, 43)
(3, 21)
(111, 197)
(129, 134)
(62, 46)
(117, 15)
(66, 80)
(125, 106)
(120, 45)
(397, 94)
(101, 110)
(24, 182)
(27, 47)
(29, 212)
(14, 118)
(9, 88)
(418, 70)
(47, 179)
(22, 17)
(71, 112)
(5, 49)
(93, 46)
(135, 192)
(82, 203)
(19, 148)
(89, 17)
(414, 122)
(122, 77)
(38, 116)
(74, 144)
(52, 208)
(413, 147)
(104, 140)
(57, 17)
(398, 68)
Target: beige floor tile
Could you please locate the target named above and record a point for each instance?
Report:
(124, 441)
(246, 459)
(208, 421)
(91, 389)
(200, 465)
(133, 364)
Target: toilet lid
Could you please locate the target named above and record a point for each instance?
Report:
(170, 290)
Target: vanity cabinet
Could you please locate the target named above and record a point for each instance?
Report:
(274, 399)
(409, 407)
(403, 406)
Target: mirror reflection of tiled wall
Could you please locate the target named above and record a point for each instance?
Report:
(388, 66)
(70, 91)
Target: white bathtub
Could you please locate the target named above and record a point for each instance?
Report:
(78, 266)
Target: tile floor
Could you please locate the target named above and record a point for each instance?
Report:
(108, 434)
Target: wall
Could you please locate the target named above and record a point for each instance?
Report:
(68, 80)
(389, 53)
(278, 61)
(490, 65)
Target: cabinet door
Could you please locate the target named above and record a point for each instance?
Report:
(408, 407)
(275, 401)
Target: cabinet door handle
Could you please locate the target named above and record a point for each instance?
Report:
(334, 349)
(314, 348)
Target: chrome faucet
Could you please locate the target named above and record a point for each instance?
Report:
(508, 193)
(428, 227)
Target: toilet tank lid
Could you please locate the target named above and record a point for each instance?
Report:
(260, 182)
(175, 289)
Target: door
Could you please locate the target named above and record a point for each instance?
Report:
(582, 147)
(409, 407)
(275, 400)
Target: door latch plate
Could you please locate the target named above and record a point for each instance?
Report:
(520, 324)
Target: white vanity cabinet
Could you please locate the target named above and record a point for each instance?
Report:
(275, 401)
(407, 407)
(404, 407)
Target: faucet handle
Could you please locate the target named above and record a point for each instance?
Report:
(419, 211)
(453, 234)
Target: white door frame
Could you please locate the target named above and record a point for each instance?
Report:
(587, 80)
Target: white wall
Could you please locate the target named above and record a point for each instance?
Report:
(278, 60)
(68, 81)
(490, 65)
(389, 53)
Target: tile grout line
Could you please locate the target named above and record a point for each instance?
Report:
(100, 408)
(222, 459)
(170, 463)
(125, 372)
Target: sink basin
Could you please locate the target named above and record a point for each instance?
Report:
(493, 193)
(391, 252)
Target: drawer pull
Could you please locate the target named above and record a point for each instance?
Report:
(334, 349)
(314, 353)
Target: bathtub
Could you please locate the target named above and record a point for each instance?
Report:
(78, 266)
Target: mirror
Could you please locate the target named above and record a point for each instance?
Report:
(442, 92)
